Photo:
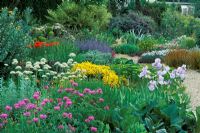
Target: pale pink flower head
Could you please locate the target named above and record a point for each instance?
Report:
(69, 90)
(74, 84)
(65, 98)
(65, 115)
(87, 120)
(99, 91)
(69, 115)
(3, 116)
(8, 108)
(26, 100)
(73, 129)
(22, 103)
(60, 90)
(30, 106)
(106, 107)
(60, 127)
(86, 90)
(43, 116)
(57, 108)
(68, 102)
(91, 118)
(27, 114)
(46, 87)
(101, 100)
(16, 106)
(36, 96)
(35, 119)
(92, 92)
(81, 94)
(93, 129)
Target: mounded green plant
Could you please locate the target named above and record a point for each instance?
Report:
(96, 57)
(147, 43)
(127, 49)
(75, 16)
(187, 42)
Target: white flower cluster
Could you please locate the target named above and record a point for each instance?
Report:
(42, 69)
(158, 53)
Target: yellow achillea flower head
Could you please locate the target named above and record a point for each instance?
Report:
(108, 76)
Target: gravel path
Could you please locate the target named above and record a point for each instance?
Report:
(192, 83)
(135, 58)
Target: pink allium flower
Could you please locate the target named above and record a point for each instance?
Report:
(39, 109)
(69, 115)
(93, 92)
(106, 107)
(27, 114)
(30, 106)
(60, 90)
(57, 108)
(73, 129)
(65, 98)
(60, 127)
(46, 87)
(93, 129)
(81, 94)
(101, 100)
(69, 90)
(74, 84)
(22, 103)
(36, 97)
(26, 100)
(46, 100)
(8, 108)
(91, 118)
(86, 90)
(43, 103)
(65, 115)
(87, 120)
(99, 91)
(4, 116)
(43, 116)
(68, 102)
(16, 106)
(60, 103)
(35, 120)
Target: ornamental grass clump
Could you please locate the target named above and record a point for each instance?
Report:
(108, 76)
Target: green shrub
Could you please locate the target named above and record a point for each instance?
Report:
(96, 57)
(133, 21)
(175, 24)
(75, 16)
(147, 43)
(14, 37)
(187, 42)
(127, 49)
(154, 10)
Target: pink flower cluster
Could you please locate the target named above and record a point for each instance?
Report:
(90, 118)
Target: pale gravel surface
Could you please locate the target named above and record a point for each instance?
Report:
(135, 58)
(192, 83)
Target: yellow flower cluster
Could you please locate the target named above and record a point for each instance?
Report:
(108, 76)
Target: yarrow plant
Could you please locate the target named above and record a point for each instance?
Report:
(161, 75)
(43, 70)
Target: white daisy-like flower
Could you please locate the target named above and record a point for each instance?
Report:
(26, 78)
(65, 65)
(46, 67)
(6, 65)
(57, 63)
(40, 70)
(19, 73)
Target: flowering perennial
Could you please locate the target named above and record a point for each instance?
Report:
(163, 75)
(108, 76)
